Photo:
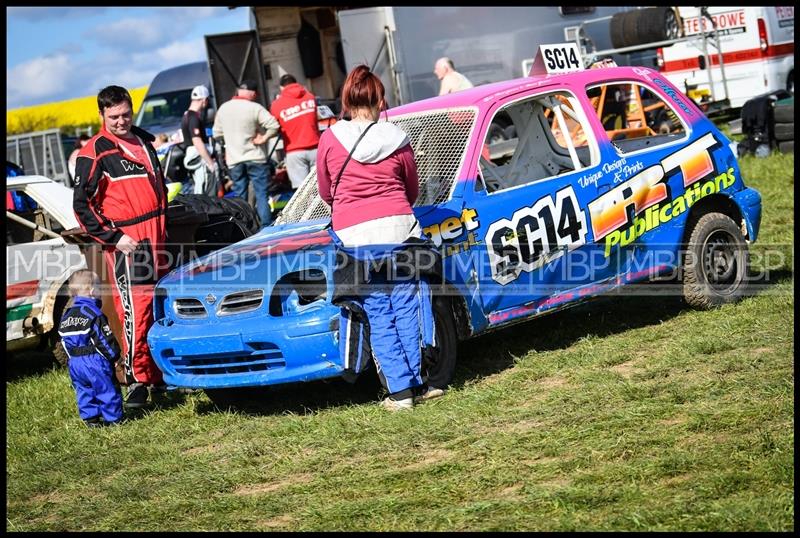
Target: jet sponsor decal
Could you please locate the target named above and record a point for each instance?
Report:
(452, 228)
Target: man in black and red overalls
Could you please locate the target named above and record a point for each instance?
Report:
(120, 199)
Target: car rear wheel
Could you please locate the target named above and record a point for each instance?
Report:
(59, 352)
(715, 262)
(438, 368)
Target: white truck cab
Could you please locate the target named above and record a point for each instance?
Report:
(757, 53)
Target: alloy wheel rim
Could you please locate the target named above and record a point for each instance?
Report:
(721, 266)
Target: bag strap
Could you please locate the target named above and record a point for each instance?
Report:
(339, 176)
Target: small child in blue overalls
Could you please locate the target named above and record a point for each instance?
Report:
(93, 350)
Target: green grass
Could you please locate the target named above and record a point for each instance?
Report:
(630, 413)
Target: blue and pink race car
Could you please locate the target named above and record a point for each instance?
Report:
(540, 192)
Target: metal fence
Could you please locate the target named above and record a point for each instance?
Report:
(39, 153)
(439, 140)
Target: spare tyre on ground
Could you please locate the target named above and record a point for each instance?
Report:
(783, 128)
(203, 224)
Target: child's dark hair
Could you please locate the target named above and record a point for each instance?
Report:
(112, 96)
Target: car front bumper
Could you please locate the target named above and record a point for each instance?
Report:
(248, 351)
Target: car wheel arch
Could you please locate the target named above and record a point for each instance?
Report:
(53, 305)
(715, 203)
(445, 290)
(55, 302)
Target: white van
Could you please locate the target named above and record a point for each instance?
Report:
(757, 52)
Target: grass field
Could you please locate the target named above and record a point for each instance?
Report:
(630, 413)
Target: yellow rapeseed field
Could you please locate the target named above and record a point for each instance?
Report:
(59, 114)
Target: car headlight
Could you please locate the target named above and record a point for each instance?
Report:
(159, 298)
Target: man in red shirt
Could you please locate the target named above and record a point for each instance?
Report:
(120, 200)
(296, 111)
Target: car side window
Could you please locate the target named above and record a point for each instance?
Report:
(542, 137)
(21, 227)
(634, 117)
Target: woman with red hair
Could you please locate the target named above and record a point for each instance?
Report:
(366, 172)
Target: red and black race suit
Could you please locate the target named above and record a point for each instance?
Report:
(118, 193)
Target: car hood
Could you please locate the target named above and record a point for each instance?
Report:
(168, 127)
(271, 249)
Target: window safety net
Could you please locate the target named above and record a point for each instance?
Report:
(439, 139)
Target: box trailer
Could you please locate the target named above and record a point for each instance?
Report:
(319, 45)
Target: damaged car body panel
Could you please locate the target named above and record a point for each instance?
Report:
(232, 307)
(597, 181)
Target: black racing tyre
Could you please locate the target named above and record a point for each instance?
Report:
(783, 112)
(438, 368)
(784, 131)
(52, 341)
(59, 352)
(786, 147)
(617, 33)
(630, 27)
(715, 263)
(657, 24)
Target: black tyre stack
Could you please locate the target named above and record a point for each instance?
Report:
(641, 26)
(783, 128)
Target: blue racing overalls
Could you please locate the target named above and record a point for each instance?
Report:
(386, 311)
(92, 349)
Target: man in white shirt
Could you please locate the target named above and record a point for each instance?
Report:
(452, 80)
(196, 159)
(245, 125)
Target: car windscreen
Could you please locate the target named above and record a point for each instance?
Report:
(439, 139)
(163, 108)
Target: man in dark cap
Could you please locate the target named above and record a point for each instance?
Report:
(245, 125)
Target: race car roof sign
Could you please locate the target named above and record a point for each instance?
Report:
(556, 58)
